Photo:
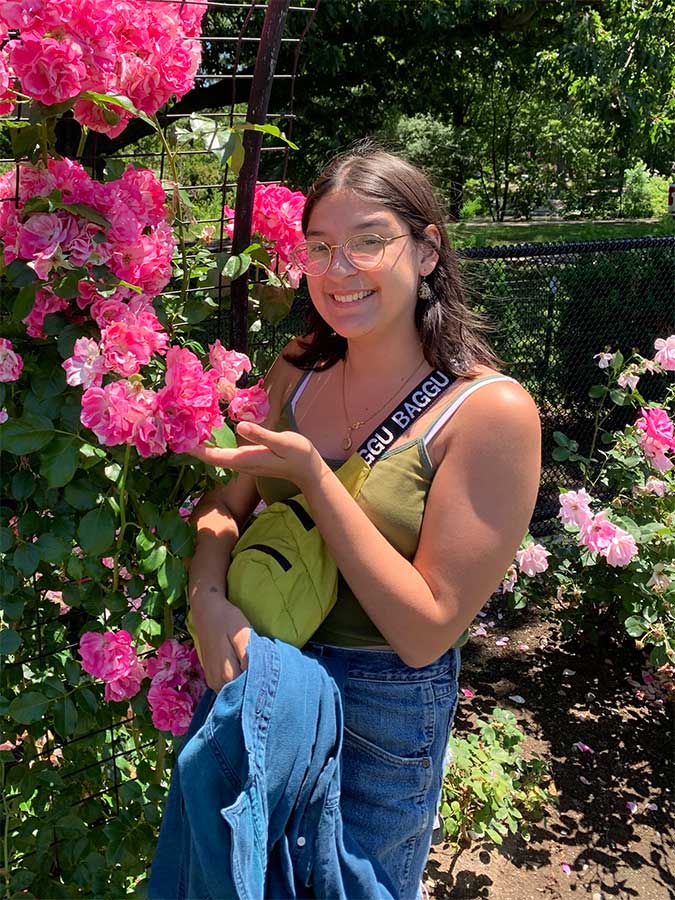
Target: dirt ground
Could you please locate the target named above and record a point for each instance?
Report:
(572, 694)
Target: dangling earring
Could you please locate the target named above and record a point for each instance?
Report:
(424, 291)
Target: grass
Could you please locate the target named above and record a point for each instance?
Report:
(491, 234)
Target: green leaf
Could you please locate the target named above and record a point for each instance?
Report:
(561, 439)
(275, 302)
(53, 549)
(20, 274)
(59, 461)
(10, 641)
(81, 494)
(236, 160)
(23, 484)
(560, 454)
(618, 397)
(6, 539)
(97, 531)
(28, 707)
(66, 286)
(274, 130)
(26, 559)
(49, 382)
(224, 437)
(171, 577)
(151, 552)
(236, 266)
(119, 100)
(24, 140)
(25, 300)
(635, 626)
(198, 308)
(86, 212)
(597, 390)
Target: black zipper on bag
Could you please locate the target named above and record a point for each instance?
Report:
(270, 551)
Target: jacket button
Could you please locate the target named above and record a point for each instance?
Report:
(301, 841)
(426, 763)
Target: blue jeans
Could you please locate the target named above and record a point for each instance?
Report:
(397, 726)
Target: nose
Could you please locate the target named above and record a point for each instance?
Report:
(339, 261)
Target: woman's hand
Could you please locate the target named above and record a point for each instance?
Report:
(274, 454)
(223, 633)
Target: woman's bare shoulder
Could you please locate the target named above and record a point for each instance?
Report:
(283, 375)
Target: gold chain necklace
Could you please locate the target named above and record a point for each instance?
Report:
(353, 426)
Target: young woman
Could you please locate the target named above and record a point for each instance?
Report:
(439, 518)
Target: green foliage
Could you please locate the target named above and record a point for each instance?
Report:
(490, 789)
(644, 194)
(584, 592)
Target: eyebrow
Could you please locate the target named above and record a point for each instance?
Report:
(366, 223)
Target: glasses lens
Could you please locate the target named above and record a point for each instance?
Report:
(364, 250)
(313, 257)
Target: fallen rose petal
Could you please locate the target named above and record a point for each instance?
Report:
(523, 647)
(631, 806)
(502, 642)
(467, 692)
(583, 748)
(569, 672)
(566, 867)
(516, 698)
(479, 632)
(584, 781)
(652, 807)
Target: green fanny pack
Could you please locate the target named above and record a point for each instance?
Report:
(281, 575)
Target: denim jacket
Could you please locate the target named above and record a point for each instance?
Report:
(253, 811)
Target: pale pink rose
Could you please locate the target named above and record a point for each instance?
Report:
(510, 579)
(171, 709)
(57, 598)
(249, 405)
(575, 507)
(176, 666)
(85, 367)
(125, 349)
(228, 363)
(604, 359)
(655, 486)
(659, 581)
(11, 362)
(629, 378)
(532, 559)
(49, 70)
(621, 548)
(665, 355)
(655, 452)
(42, 239)
(597, 533)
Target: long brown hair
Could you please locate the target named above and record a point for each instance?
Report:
(450, 332)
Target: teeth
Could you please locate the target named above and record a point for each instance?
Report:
(350, 298)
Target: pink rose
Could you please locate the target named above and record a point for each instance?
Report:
(49, 70)
(45, 304)
(106, 411)
(665, 355)
(655, 486)
(85, 367)
(249, 405)
(532, 559)
(188, 404)
(112, 658)
(228, 363)
(6, 82)
(11, 363)
(171, 709)
(656, 425)
(575, 508)
(621, 548)
(597, 533)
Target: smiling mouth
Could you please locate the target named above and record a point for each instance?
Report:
(355, 297)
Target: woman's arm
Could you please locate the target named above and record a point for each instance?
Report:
(477, 511)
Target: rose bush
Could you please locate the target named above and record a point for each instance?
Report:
(610, 564)
(104, 385)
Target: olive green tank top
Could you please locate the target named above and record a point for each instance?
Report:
(393, 497)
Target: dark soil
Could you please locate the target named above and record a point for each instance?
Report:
(612, 852)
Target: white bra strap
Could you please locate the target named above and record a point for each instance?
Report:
(449, 411)
(302, 384)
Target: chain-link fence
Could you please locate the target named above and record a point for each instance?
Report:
(553, 307)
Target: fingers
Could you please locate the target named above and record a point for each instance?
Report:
(240, 458)
(239, 641)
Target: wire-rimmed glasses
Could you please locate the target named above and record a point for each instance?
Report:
(363, 251)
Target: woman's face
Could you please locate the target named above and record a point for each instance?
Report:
(357, 303)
